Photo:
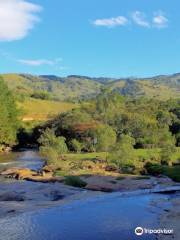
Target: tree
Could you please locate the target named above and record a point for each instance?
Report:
(104, 138)
(52, 147)
(9, 122)
(122, 155)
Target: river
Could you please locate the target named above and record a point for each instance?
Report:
(104, 217)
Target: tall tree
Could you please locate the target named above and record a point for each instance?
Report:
(8, 116)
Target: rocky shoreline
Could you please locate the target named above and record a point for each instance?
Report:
(23, 189)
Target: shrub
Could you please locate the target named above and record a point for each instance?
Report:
(75, 181)
(153, 168)
(51, 155)
(76, 145)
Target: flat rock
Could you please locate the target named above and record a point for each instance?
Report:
(18, 173)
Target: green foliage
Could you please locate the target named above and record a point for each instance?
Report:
(153, 168)
(52, 147)
(8, 116)
(75, 181)
(76, 145)
(104, 138)
(172, 172)
(50, 154)
(122, 155)
(49, 139)
(166, 154)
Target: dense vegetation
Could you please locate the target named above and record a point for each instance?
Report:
(8, 117)
(122, 125)
(119, 126)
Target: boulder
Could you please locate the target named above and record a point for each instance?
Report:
(45, 179)
(18, 173)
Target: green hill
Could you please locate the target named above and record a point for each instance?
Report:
(81, 87)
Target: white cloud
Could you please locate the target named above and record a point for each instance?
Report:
(17, 17)
(111, 22)
(140, 19)
(39, 62)
(159, 20)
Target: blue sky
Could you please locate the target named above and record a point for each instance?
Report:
(115, 38)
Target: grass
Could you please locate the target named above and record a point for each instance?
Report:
(75, 164)
(154, 154)
(86, 156)
(40, 110)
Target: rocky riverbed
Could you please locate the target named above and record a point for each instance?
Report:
(23, 198)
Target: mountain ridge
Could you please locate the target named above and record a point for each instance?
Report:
(76, 87)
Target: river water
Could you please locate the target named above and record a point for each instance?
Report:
(105, 217)
(24, 159)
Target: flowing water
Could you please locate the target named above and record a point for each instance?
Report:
(105, 217)
(24, 158)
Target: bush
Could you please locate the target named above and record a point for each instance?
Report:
(153, 168)
(75, 181)
(51, 155)
(76, 145)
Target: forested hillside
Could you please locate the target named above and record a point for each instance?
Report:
(73, 88)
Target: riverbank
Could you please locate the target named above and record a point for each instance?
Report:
(170, 219)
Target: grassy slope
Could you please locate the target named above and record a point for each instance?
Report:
(74, 87)
(37, 109)
(71, 88)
